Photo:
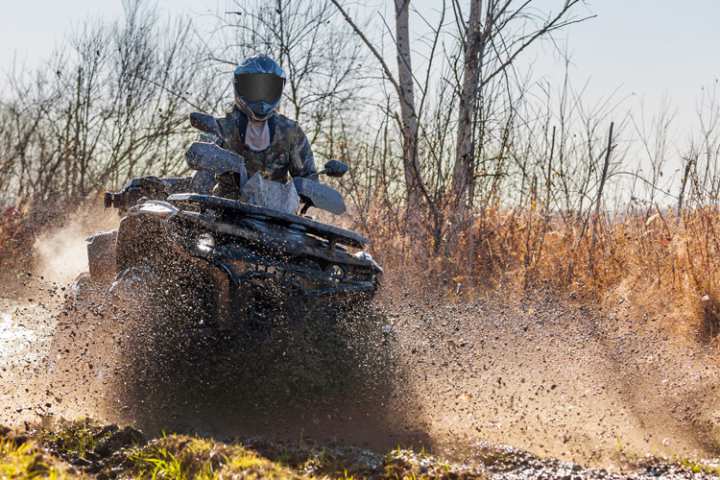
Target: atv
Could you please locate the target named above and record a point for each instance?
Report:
(199, 300)
(263, 242)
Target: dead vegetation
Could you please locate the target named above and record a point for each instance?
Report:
(661, 264)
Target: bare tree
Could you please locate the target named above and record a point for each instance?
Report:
(491, 44)
(112, 105)
(403, 86)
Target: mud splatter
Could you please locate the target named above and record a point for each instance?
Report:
(558, 380)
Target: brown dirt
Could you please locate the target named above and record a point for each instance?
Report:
(540, 374)
(557, 379)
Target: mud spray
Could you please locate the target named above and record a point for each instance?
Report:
(61, 253)
(30, 304)
(556, 379)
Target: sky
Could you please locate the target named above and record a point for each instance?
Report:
(645, 50)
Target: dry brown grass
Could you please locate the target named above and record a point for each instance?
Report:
(662, 264)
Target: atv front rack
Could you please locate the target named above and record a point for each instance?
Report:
(233, 210)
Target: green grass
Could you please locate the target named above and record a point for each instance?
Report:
(84, 440)
(75, 439)
(113, 452)
(179, 457)
(699, 467)
(24, 460)
(46, 452)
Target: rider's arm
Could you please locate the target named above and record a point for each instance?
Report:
(302, 161)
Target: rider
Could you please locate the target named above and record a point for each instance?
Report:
(271, 144)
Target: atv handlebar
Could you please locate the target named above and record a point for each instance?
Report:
(145, 187)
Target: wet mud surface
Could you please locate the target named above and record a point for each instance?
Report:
(580, 393)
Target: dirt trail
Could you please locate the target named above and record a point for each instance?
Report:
(26, 329)
(554, 379)
(558, 380)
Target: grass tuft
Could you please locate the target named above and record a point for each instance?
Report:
(179, 457)
(85, 441)
(25, 460)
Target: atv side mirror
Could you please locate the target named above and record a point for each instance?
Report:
(335, 168)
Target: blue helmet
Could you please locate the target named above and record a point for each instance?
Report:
(258, 84)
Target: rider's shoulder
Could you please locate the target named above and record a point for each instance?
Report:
(285, 123)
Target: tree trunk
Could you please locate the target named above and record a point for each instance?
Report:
(406, 95)
(464, 167)
(405, 87)
(474, 42)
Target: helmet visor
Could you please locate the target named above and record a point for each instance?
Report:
(259, 87)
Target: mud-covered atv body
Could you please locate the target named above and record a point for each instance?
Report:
(199, 304)
(246, 244)
(174, 227)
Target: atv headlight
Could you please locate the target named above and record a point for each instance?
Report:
(336, 273)
(205, 243)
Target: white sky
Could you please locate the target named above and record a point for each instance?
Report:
(648, 48)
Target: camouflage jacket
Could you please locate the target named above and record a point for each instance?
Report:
(289, 151)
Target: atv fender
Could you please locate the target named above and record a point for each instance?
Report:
(101, 250)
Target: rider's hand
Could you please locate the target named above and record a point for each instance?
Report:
(228, 185)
